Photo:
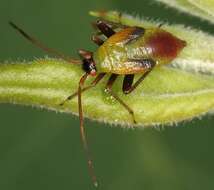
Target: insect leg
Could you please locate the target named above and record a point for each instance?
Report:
(128, 79)
(105, 28)
(108, 88)
(100, 30)
(93, 84)
(113, 25)
(116, 25)
(82, 131)
(127, 82)
(85, 54)
(97, 40)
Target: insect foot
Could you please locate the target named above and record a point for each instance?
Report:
(131, 112)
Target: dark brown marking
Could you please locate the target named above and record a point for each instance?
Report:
(126, 35)
(128, 79)
(136, 33)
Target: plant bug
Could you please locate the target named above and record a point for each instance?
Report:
(127, 51)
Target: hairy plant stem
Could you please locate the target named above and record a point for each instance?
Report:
(167, 96)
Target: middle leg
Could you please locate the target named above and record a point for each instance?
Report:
(109, 85)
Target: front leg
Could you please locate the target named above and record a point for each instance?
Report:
(93, 84)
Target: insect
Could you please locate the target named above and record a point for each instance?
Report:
(122, 50)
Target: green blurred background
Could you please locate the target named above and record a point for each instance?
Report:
(42, 150)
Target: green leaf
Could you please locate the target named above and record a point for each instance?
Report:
(167, 95)
(205, 5)
(203, 9)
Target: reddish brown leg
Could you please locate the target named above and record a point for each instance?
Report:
(93, 84)
(97, 40)
(82, 131)
(112, 25)
(128, 79)
(105, 29)
(108, 88)
(85, 54)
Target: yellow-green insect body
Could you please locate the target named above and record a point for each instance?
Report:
(124, 51)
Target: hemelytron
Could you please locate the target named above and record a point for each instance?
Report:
(122, 50)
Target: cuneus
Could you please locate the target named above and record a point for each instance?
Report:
(122, 50)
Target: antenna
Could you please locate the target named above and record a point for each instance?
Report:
(43, 47)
